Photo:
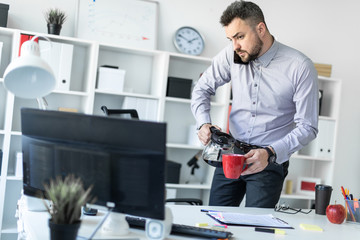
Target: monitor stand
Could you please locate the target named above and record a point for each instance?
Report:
(112, 224)
(116, 224)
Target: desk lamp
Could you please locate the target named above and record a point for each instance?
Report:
(29, 76)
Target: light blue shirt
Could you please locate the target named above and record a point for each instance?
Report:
(275, 98)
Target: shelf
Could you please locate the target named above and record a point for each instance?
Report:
(16, 133)
(328, 79)
(183, 146)
(9, 231)
(298, 196)
(14, 178)
(299, 156)
(189, 186)
(74, 93)
(183, 100)
(126, 94)
(327, 118)
(179, 100)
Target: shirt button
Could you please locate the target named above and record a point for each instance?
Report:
(253, 115)
(254, 102)
(255, 85)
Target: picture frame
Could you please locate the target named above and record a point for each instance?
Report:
(306, 185)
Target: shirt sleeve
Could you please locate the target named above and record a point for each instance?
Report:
(306, 99)
(215, 76)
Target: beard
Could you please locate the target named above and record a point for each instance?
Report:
(253, 54)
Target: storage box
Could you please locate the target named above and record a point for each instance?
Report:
(179, 87)
(111, 78)
(306, 185)
(352, 211)
(172, 172)
(4, 9)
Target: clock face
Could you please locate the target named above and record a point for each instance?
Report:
(188, 40)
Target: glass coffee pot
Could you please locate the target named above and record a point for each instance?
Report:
(219, 144)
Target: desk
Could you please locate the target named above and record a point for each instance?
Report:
(36, 226)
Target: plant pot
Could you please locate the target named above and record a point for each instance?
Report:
(54, 29)
(64, 231)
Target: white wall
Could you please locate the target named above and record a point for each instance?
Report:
(325, 30)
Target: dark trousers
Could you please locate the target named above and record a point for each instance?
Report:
(262, 189)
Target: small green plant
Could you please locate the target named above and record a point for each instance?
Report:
(67, 196)
(55, 16)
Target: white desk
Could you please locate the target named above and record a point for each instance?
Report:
(36, 225)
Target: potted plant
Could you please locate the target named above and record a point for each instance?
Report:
(55, 19)
(67, 196)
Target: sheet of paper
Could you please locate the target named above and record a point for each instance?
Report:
(249, 219)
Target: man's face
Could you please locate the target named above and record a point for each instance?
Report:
(246, 41)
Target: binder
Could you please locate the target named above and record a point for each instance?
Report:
(59, 56)
(325, 137)
(323, 145)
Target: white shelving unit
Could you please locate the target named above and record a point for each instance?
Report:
(318, 158)
(146, 77)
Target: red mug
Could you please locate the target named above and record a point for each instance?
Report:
(233, 165)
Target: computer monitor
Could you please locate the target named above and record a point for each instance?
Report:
(123, 159)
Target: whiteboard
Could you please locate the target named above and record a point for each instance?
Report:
(130, 23)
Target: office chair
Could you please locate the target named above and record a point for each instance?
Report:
(133, 113)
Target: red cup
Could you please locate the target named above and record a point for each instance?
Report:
(233, 165)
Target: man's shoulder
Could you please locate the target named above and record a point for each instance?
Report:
(290, 52)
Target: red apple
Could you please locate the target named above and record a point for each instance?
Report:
(336, 213)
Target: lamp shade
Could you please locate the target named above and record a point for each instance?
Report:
(29, 76)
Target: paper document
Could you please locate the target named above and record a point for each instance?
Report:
(250, 220)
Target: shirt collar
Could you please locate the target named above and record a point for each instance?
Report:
(266, 58)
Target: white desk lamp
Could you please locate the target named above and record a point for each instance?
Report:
(29, 76)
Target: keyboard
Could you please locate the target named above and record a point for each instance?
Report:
(181, 229)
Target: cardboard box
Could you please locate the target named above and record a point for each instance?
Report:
(111, 78)
(4, 9)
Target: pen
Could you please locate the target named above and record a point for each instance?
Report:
(205, 210)
(270, 230)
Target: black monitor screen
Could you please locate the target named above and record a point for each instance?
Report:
(123, 159)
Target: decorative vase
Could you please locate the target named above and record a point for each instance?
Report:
(64, 231)
(54, 29)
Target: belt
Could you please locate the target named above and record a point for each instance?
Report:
(245, 147)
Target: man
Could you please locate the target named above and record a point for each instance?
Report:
(274, 107)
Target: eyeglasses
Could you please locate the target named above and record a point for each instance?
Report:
(289, 210)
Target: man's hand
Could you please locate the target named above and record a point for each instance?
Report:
(204, 133)
(258, 158)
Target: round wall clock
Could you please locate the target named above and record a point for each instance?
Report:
(189, 41)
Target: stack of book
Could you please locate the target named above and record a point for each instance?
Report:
(323, 69)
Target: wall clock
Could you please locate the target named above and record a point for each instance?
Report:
(189, 41)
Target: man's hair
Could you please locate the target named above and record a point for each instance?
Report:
(247, 11)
